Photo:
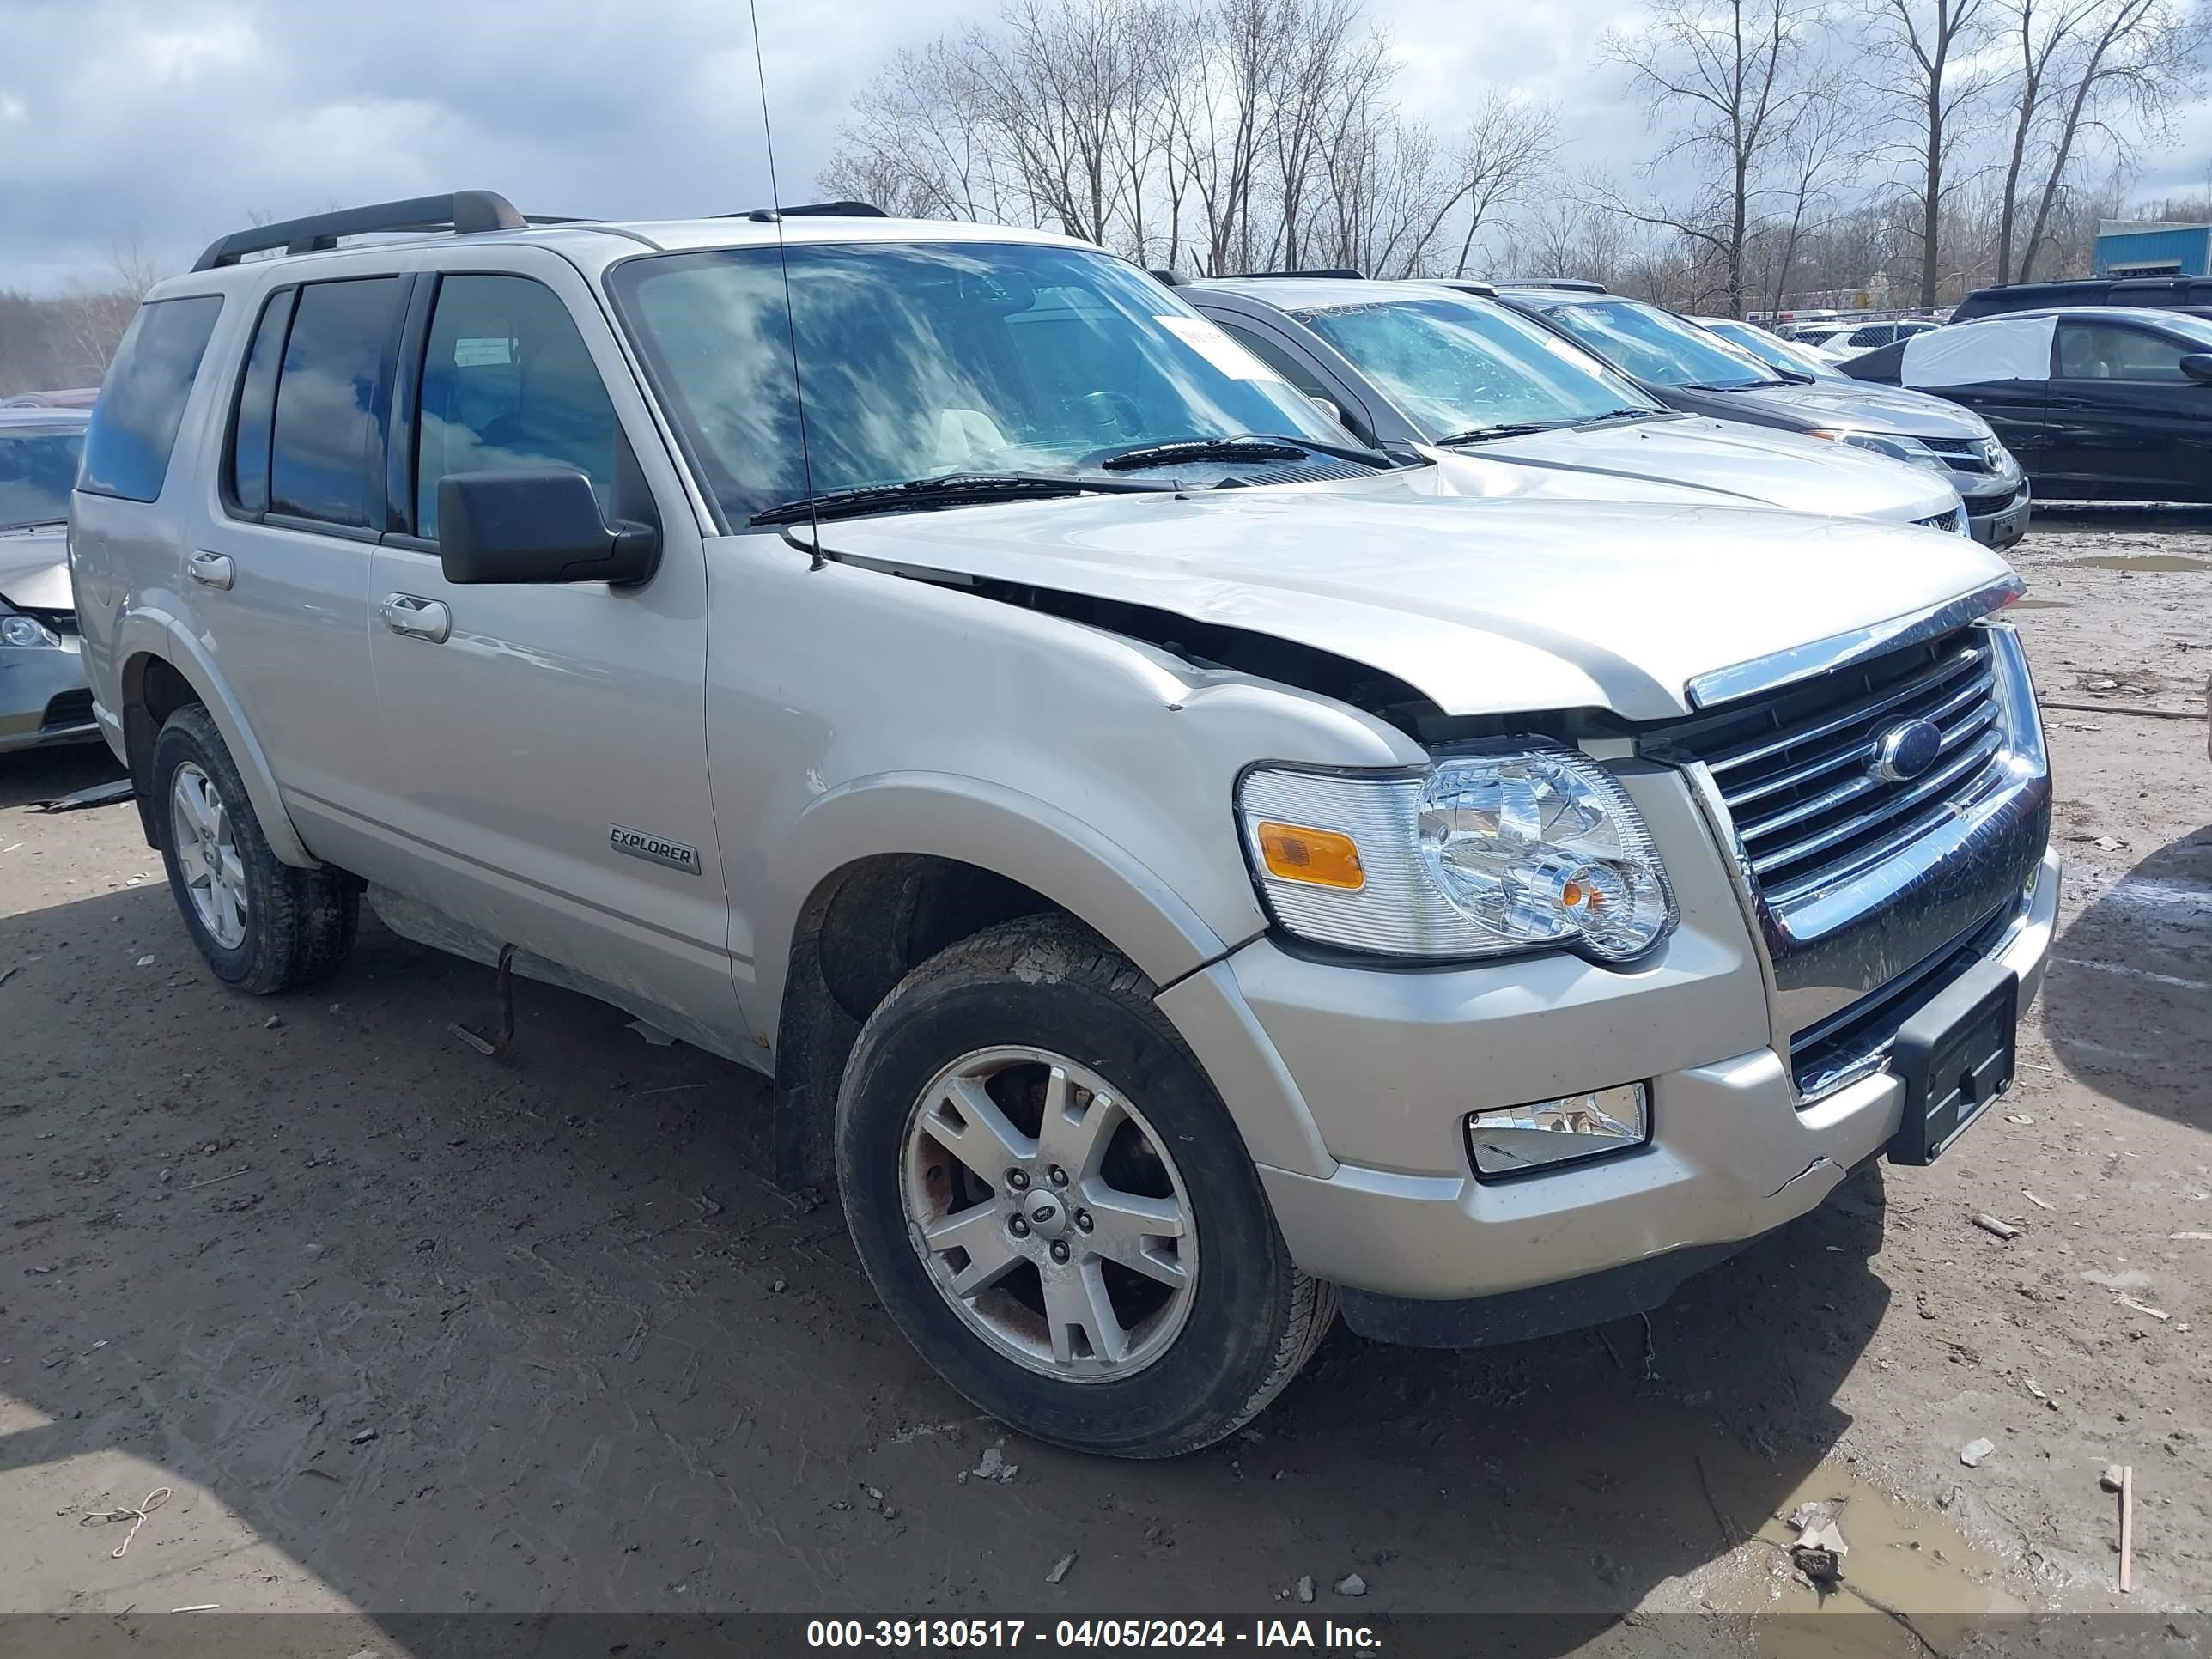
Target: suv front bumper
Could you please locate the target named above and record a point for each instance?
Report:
(1999, 520)
(1388, 1063)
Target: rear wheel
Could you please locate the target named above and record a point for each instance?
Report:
(261, 925)
(1056, 1208)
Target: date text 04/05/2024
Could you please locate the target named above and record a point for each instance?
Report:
(1091, 1634)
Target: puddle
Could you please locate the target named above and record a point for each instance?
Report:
(2135, 562)
(1913, 1560)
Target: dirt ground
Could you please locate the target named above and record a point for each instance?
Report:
(409, 1330)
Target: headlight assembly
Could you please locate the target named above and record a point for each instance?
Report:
(1895, 445)
(18, 629)
(1486, 852)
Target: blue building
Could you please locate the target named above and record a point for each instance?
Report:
(2136, 248)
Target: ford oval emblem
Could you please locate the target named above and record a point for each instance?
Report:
(1903, 752)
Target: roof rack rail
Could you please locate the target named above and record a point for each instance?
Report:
(1337, 273)
(1563, 284)
(1465, 284)
(1165, 277)
(768, 216)
(465, 213)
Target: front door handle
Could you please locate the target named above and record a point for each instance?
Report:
(213, 569)
(419, 618)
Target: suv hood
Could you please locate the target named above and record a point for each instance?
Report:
(1876, 408)
(34, 569)
(1747, 465)
(1485, 607)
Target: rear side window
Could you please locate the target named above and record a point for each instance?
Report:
(508, 382)
(257, 406)
(142, 402)
(326, 454)
(1274, 356)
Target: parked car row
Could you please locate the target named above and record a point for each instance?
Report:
(1189, 860)
(2099, 404)
(1837, 340)
(1426, 365)
(1690, 370)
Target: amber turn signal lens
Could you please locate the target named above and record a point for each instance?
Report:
(1319, 858)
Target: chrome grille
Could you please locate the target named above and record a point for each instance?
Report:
(1796, 768)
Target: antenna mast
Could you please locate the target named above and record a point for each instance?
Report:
(790, 312)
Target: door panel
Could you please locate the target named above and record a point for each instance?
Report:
(286, 617)
(2125, 424)
(530, 724)
(2015, 410)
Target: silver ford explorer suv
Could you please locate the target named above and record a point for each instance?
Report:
(1185, 872)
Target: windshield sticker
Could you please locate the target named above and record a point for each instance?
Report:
(474, 354)
(1217, 347)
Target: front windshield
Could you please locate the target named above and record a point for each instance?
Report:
(1657, 346)
(1774, 351)
(1459, 365)
(37, 470)
(925, 359)
(2196, 329)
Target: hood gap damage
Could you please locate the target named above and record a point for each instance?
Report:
(1212, 648)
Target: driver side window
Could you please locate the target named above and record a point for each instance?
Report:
(2104, 351)
(509, 382)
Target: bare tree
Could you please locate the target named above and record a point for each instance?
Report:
(919, 143)
(1213, 135)
(1825, 143)
(2144, 55)
(95, 315)
(1725, 77)
(1507, 145)
(1930, 46)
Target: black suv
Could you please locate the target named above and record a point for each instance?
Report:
(2189, 293)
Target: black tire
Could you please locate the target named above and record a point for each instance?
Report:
(298, 924)
(1048, 982)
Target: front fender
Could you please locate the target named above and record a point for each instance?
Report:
(1094, 879)
(1003, 831)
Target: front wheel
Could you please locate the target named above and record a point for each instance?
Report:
(1055, 1206)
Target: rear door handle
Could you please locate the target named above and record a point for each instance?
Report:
(213, 569)
(419, 618)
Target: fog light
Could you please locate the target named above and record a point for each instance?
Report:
(1516, 1137)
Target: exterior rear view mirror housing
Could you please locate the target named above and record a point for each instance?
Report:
(539, 524)
(2198, 366)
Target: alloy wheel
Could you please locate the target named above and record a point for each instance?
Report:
(214, 875)
(1049, 1214)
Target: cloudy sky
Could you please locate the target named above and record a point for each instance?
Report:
(160, 124)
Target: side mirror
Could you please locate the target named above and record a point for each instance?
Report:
(1327, 406)
(2198, 366)
(539, 524)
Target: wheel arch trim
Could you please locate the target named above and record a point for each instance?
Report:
(175, 647)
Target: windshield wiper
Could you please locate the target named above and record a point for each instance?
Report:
(1241, 446)
(1611, 415)
(36, 524)
(1475, 434)
(953, 490)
